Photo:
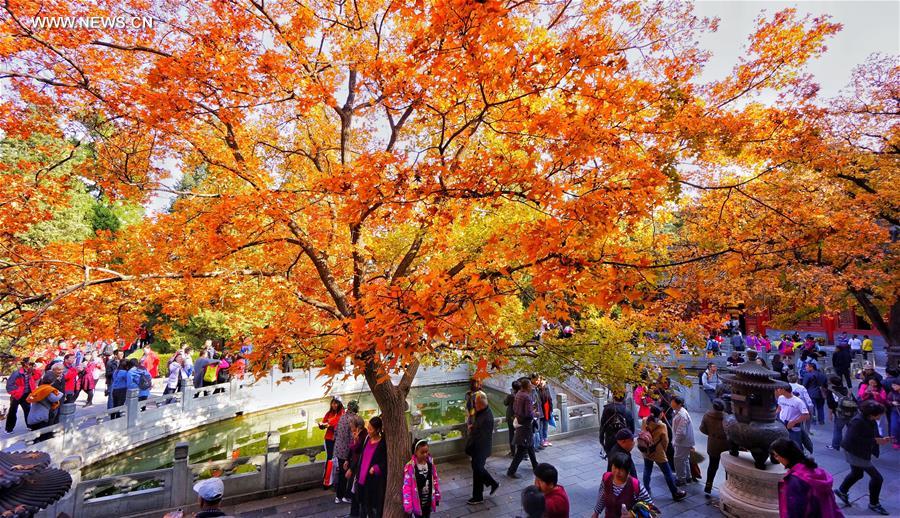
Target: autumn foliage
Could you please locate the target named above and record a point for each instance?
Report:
(397, 183)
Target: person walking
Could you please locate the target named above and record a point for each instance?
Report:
(360, 436)
(615, 417)
(860, 443)
(624, 445)
(119, 387)
(342, 439)
(329, 423)
(70, 375)
(683, 440)
(791, 412)
(510, 416)
(19, 386)
(545, 401)
(112, 365)
(556, 500)
(372, 475)
(710, 381)
(841, 361)
(712, 426)
(619, 490)
(855, 345)
(805, 491)
(523, 413)
(93, 369)
(478, 447)
(652, 442)
(800, 391)
(893, 410)
(843, 406)
(814, 382)
(421, 485)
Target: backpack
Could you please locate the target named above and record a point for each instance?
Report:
(846, 407)
(645, 443)
(145, 382)
(613, 424)
(211, 374)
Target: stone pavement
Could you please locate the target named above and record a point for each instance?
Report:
(581, 466)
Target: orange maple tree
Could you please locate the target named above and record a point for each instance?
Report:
(375, 183)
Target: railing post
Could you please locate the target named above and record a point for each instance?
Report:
(131, 407)
(67, 415)
(562, 402)
(600, 398)
(187, 397)
(273, 462)
(181, 477)
(233, 388)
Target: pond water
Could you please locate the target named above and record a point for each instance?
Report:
(243, 436)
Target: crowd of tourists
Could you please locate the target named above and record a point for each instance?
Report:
(41, 385)
(863, 409)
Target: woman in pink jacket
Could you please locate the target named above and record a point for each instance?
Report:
(421, 486)
(874, 391)
(806, 489)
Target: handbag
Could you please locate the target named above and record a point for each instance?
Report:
(695, 470)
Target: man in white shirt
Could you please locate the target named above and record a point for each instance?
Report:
(855, 345)
(792, 412)
(682, 440)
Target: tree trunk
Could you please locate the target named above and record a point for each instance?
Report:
(890, 330)
(391, 401)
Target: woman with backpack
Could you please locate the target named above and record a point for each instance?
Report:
(711, 425)
(619, 490)
(652, 443)
(843, 407)
(860, 444)
(139, 378)
(805, 490)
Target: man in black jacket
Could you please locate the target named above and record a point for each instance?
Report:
(624, 445)
(861, 442)
(840, 360)
(478, 446)
(615, 417)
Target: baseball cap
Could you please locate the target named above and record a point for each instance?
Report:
(210, 489)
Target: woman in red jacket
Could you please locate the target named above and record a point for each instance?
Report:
(329, 423)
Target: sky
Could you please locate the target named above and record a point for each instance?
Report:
(869, 26)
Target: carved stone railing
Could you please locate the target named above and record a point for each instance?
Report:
(152, 493)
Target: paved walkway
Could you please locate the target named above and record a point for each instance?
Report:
(580, 465)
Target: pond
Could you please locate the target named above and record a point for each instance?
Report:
(244, 436)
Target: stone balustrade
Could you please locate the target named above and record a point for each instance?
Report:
(98, 433)
(152, 493)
